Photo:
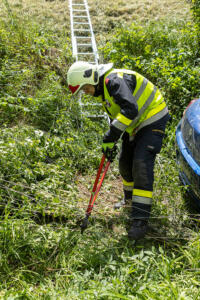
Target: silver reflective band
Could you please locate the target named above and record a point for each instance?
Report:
(132, 137)
(119, 125)
(154, 118)
(141, 89)
(142, 200)
(144, 107)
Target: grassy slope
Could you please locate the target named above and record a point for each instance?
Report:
(104, 14)
(56, 262)
(107, 15)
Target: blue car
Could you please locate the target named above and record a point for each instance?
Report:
(188, 150)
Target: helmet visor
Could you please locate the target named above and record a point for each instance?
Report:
(73, 89)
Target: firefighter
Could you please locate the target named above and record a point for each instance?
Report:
(138, 115)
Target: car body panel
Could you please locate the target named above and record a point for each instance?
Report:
(188, 150)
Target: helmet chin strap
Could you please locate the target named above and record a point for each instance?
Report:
(99, 87)
(97, 92)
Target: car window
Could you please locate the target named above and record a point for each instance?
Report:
(187, 132)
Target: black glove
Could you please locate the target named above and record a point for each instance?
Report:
(109, 147)
(109, 150)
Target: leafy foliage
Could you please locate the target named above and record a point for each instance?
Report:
(42, 143)
(195, 7)
(46, 144)
(164, 53)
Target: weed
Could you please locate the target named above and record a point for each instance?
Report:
(50, 153)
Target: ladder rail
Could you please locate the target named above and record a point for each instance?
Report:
(79, 15)
(74, 42)
(84, 45)
(92, 34)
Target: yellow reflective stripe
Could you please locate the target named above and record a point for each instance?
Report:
(153, 119)
(139, 79)
(142, 193)
(120, 74)
(155, 110)
(127, 183)
(123, 119)
(149, 89)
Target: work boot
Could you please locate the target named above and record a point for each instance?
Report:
(138, 229)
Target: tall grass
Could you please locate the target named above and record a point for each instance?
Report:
(48, 164)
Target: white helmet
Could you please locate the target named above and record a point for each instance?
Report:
(81, 73)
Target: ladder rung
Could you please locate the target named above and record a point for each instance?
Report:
(80, 16)
(82, 23)
(83, 37)
(81, 29)
(80, 26)
(77, 4)
(85, 45)
(85, 53)
(79, 10)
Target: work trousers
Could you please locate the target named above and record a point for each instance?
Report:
(136, 165)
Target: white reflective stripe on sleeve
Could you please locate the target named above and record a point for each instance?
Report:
(119, 125)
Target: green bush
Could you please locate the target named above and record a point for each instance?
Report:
(31, 59)
(164, 53)
(43, 144)
(195, 7)
(47, 143)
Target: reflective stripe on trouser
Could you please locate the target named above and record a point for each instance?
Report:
(142, 196)
(141, 203)
(127, 186)
(128, 189)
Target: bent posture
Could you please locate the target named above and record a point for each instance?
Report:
(138, 115)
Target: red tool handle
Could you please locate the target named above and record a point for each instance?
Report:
(91, 203)
(97, 178)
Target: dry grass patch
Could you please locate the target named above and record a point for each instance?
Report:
(51, 14)
(108, 15)
(105, 15)
(110, 193)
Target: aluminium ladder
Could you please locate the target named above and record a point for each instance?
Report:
(83, 41)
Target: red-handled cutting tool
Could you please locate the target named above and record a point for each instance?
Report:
(95, 191)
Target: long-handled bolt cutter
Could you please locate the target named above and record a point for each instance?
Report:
(95, 191)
